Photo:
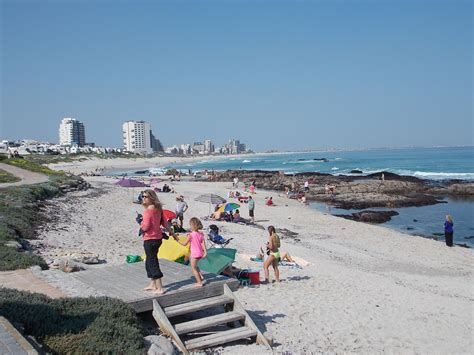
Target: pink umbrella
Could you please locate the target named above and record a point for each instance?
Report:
(130, 183)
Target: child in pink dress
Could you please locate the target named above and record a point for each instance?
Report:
(198, 248)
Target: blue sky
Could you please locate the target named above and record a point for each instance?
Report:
(276, 74)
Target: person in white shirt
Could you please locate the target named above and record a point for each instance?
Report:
(181, 207)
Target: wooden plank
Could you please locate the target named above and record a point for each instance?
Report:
(166, 326)
(248, 321)
(220, 338)
(127, 281)
(197, 305)
(207, 322)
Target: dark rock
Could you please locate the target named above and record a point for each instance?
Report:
(410, 228)
(371, 216)
(470, 237)
(356, 171)
(415, 220)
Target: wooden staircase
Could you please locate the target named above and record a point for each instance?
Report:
(218, 298)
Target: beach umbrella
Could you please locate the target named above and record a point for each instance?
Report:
(130, 183)
(169, 214)
(228, 207)
(217, 260)
(210, 199)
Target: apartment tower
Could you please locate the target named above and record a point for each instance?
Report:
(137, 137)
(72, 132)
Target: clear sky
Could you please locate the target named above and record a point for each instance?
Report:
(276, 74)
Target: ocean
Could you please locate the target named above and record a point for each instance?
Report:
(426, 163)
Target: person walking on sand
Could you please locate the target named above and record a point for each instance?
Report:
(274, 257)
(198, 248)
(152, 236)
(251, 205)
(448, 230)
(181, 207)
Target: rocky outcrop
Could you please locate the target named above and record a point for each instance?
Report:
(369, 216)
(359, 191)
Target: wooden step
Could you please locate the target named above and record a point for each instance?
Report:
(220, 338)
(194, 306)
(207, 322)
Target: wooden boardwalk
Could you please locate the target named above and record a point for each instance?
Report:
(126, 282)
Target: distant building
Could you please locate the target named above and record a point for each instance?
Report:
(185, 149)
(137, 137)
(198, 148)
(235, 147)
(208, 147)
(72, 132)
(156, 145)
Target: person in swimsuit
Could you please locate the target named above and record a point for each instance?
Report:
(274, 256)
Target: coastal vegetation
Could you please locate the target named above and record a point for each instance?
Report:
(74, 325)
(7, 177)
(20, 217)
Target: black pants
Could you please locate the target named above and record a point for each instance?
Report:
(449, 239)
(151, 263)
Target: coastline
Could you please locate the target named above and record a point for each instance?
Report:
(362, 288)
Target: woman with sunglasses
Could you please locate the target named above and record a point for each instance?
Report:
(152, 238)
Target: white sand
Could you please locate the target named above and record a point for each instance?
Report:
(366, 289)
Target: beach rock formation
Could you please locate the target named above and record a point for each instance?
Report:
(159, 345)
(357, 192)
(369, 216)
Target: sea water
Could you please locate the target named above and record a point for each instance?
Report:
(425, 163)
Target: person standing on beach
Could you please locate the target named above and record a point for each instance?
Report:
(306, 186)
(274, 257)
(448, 230)
(198, 248)
(150, 224)
(181, 207)
(251, 204)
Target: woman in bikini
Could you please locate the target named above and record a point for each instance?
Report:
(274, 256)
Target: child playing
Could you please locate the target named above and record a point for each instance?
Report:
(198, 248)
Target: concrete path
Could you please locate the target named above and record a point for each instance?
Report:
(27, 177)
(25, 280)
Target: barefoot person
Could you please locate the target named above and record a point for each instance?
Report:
(198, 248)
(274, 256)
(152, 237)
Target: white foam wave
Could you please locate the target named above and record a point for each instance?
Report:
(246, 161)
(334, 168)
(434, 175)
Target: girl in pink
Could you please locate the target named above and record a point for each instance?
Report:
(198, 248)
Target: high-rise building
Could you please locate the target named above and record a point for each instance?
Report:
(137, 137)
(72, 132)
(208, 147)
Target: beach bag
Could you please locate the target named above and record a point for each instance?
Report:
(133, 258)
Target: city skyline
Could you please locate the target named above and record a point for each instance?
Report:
(290, 76)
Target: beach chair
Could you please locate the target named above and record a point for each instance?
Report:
(215, 239)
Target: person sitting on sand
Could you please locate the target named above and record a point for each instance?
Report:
(236, 216)
(284, 256)
(269, 201)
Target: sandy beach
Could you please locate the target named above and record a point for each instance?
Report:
(360, 289)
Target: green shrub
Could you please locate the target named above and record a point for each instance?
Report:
(12, 259)
(75, 325)
(32, 166)
(5, 176)
(20, 217)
